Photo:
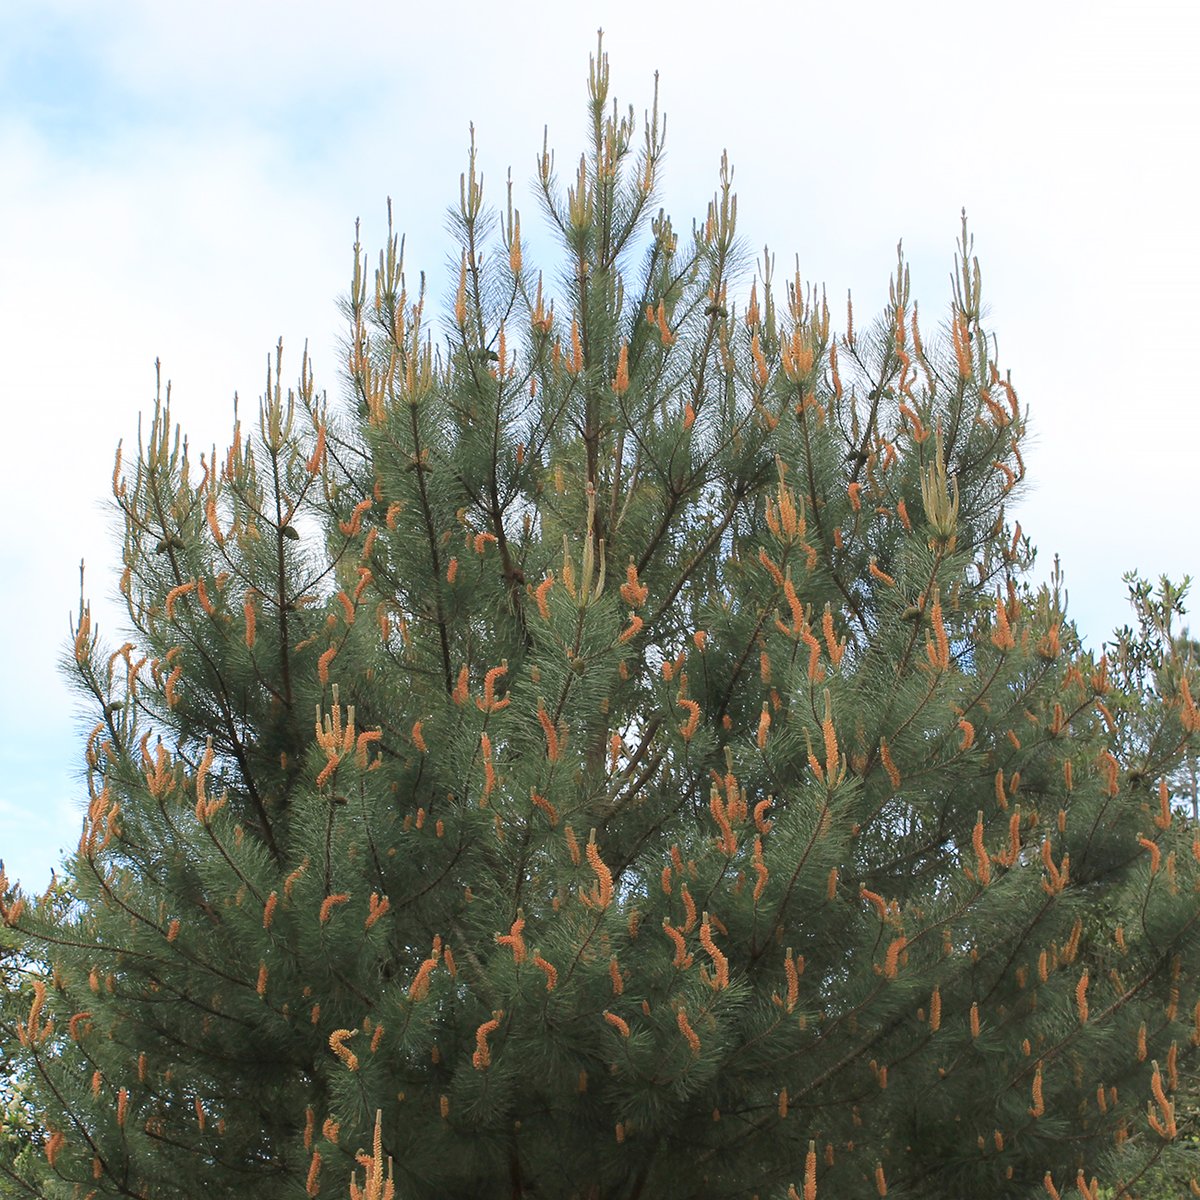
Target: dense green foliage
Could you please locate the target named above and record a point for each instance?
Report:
(620, 750)
(18, 1130)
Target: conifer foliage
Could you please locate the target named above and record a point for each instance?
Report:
(616, 755)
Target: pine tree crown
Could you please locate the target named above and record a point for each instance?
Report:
(619, 753)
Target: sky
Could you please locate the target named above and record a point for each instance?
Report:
(180, 182)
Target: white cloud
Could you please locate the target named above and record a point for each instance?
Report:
(181, 181)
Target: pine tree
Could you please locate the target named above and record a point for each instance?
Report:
(18, 1132)
(619, 754)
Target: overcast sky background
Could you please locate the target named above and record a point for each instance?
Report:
(181, 181)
